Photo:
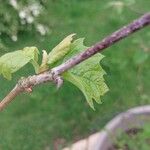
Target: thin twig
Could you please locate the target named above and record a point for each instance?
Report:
(26, 84)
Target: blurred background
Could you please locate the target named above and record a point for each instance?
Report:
(50, 119)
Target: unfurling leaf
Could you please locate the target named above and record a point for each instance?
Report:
(88, 75)
(60, 50)
(13, 61)
(44, 66)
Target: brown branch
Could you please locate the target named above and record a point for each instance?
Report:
(26, 84)
(106, 42)
(14, 92)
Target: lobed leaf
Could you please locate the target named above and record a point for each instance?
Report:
(88, 75)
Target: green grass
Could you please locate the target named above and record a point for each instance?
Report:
(47, 116)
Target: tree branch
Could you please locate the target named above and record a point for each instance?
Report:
(26, 84)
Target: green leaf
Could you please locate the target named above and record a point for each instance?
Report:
(32, 53)
(43, 67)
(13, 61)
(60, 50)
(6, 72)
(88, 75)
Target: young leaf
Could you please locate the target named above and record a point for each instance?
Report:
(43, 67)
(87, 76)
(6, 72)
(32, 53)
(60, 50)
(13, 61)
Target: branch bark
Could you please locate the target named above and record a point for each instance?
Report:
(26, 84)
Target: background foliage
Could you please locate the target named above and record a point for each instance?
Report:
(16, 16)
(48, 118)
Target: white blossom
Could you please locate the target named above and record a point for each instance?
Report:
(27, 15)
(41, 29)
(13, 3)
(22, 14)
(35, 9)
(14, 38)
(35, 12)
(30, 19)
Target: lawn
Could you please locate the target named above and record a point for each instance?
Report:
(47, 117)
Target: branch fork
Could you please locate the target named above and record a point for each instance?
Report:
(58, 80)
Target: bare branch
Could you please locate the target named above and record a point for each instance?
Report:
(26, 84)
(106, 42)
(15, 91)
